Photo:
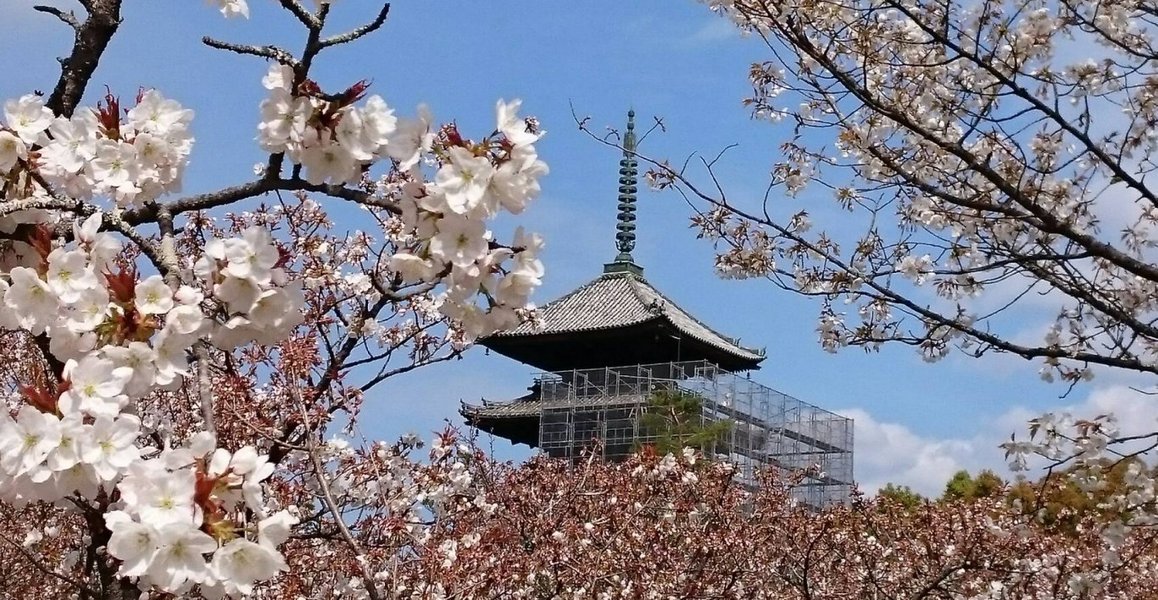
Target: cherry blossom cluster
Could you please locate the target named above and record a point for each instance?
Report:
(442, 221)
(591, 529)
(132, 156)
(245, 276)
(394, 502)
(975, 166)
(458, 246)
(121, 338)
(187, 503)
(48, 457)
(1094, 449)
(332, 138)
(167, 399)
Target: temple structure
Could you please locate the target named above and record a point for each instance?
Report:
(608, 348)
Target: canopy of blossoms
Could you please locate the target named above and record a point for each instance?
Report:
(120, 315)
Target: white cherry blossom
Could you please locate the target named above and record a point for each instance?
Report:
(12, 149)
(179, 557)
(95, 387)
(134, 544)
(464, 180)
(460, 241)
(31, 299)
(26, 441)
(69, 274)
(411, 138)
(240, 563)
(153, 296)
(110, 447)
(233, 8)
(67, 453)
(28, 117)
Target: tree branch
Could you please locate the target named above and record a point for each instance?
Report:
(882, 291)
(68, 18)
(362, 31)
(91, 39)
(328, 497)
(271, 52)
(303, 15)
(209, 200)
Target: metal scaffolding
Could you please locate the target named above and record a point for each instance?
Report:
(763, 427)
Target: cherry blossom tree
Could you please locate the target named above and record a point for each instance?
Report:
(680, 526)
(183, 376)
(988, 153)
(974, 162)
(174, 363)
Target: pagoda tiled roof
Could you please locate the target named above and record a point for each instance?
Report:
(535, 406)
(619, 300)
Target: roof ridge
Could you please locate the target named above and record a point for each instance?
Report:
(584, 286)
(620, 275)
(648, 305)
(587, 287)
(735, 341)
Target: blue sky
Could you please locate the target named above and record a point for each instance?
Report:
(916, 423)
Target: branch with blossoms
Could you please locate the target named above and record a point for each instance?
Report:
(174, 358)
(1091, 446)
(978, 171)
(1093, 451)
(978, 167)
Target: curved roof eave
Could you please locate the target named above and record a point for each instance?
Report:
(618, 300)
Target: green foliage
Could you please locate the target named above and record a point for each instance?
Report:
(964, 486)
(675, 419)
(988, 484)
(1061, 505)
(958, 487)
(902, 495)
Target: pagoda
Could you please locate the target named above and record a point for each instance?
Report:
(611, 344)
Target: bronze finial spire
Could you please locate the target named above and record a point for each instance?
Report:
(625, 234)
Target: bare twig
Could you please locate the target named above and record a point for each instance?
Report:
(878, 290)
(332, 504)
(271, 52)
(382, 376)
(296, 9)
(68, 18)
(360, 32)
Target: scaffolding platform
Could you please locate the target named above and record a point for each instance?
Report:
(583, 409)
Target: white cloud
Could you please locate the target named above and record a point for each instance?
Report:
(715, 30)
(1137, 412)
(894, 453)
